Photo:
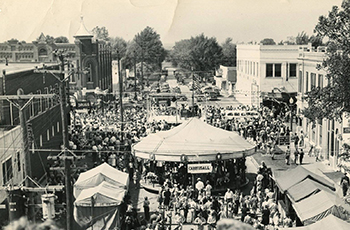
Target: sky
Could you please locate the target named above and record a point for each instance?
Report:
(242, 20)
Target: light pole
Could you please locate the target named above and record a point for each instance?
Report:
(135, 80)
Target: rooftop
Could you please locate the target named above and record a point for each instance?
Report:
(18, 67)
(82, 31)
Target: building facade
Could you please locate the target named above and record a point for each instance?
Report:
(226, 78)
(42, 120)
(325, 135)
(86, 53)
(263, 70)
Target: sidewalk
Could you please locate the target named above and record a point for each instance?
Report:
(278, 163)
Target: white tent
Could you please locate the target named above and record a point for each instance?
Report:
(329, 222)
(318, 206)
(95, 176)
(196, 140)
(105, 194)
(98, 207)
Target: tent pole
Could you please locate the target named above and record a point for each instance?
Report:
(92, 213)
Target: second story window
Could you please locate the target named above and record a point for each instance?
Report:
(292, 70)
(273, 70)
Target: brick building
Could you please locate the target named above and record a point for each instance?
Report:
(42, 115)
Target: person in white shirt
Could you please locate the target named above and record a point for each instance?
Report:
(199, 185)
(228, 195)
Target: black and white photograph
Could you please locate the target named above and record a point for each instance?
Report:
(175, 114)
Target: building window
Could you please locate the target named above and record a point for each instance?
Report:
(269, 70)
(7, 171)
(90, 73)
(301, 80)
(312, 80)
(278, 70)
(42, 52)
(273, 70)
(41, 140)
(320, 80)
(292, 70)
(306, 82)
(48, 134)
(58, 126)
(53, 131)
(18, 155)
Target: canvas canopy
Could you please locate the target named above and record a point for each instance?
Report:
(304, 189)
(102, 218)
(105, 194)
(196, 140)
(294, 176)
(329, 222)
(318, 206)
(97, 175)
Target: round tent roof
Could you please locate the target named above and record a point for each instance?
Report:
(196, 140)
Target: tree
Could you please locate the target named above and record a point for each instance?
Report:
(101, 33)
(316, 41)
(118, 44)
(148, 47)
(302, 38)
(200, 53)
(267, 41)
(333, 100)
(229, 53)
(61, 39)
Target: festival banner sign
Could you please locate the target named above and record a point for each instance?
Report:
(199, 168)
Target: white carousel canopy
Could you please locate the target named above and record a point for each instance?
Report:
(196, 140)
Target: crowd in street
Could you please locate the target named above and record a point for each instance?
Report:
(97, 133)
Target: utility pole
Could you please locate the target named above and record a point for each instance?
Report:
(121, 99)
(69, 191)
(135, 75)
(192, 91)
(142, 67)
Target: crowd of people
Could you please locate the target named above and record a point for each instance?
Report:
(97, 133)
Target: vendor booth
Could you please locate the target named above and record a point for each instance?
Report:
(195, 148)
(292, 177)
(329, 222)
(97, 207)
(318, 206)
(97, 175)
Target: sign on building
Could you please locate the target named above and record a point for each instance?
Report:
(199, 168)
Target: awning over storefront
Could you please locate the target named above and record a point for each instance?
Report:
(194, 140)
(97, 175)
